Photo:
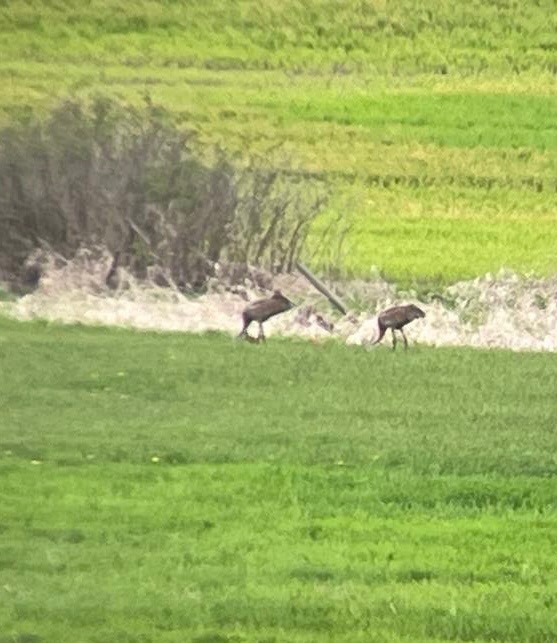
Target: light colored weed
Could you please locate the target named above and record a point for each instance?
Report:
(499, 311)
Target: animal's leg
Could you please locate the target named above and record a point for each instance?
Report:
(394, 338)
(247, 322)
(405, 340)
(382, 330)
(261, 335)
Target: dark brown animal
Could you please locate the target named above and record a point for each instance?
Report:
(262, 309)
(395, 318)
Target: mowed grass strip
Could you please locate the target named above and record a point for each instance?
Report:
(446, 120)
(169, 487)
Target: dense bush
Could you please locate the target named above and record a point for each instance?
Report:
(131, 180)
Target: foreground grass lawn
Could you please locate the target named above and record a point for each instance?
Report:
(168, 487)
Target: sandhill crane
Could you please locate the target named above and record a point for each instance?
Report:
(395, 318)
(262, 309)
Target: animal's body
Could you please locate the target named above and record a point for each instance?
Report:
(263, 309)
(396, 318)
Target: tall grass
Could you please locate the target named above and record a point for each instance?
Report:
(442, 38)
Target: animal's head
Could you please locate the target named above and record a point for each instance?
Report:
(277, 294)
(415, 312)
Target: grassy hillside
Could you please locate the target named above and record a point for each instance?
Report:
(444, 112)
(167, 487)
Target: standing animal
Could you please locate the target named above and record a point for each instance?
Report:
(262, 309)
(395, 318)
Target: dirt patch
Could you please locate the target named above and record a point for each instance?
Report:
(499, 311)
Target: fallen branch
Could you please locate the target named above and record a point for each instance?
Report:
(319, 285)
(138, 231)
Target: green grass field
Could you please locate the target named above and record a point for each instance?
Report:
(170, 487)
(440, 115)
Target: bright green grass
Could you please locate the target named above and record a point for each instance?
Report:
(439, 94)
(444, 120)
(381, 111)
(436, 236)
(168, 487)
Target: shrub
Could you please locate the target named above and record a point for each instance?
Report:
(129, 179)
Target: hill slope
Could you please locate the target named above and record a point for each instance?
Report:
(437, 124)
